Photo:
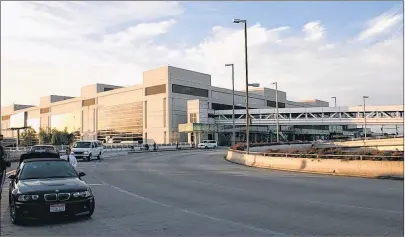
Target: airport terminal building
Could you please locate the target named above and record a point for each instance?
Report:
(151, 111)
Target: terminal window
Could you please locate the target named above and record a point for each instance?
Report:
(186, 90)
(5, 117)
(89, 102)
(153, 90)
(123, 122)
(44, 110)
(273, 104)
(193, 117)
(108, 89)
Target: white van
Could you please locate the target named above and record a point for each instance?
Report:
(208, 144)
(87, 149)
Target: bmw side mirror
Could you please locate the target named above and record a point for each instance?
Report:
(8, 163)
(12, 176)
(81, 174)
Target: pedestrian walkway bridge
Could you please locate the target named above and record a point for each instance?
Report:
(375, 115)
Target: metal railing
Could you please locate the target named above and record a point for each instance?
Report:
(14, 153)
(59, 148)
(139, 147)
(369, 138)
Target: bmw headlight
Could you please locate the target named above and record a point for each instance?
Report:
(27, 198)
(83, 194)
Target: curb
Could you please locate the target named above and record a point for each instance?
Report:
(387, 177)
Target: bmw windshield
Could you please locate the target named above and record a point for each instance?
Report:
(47, 169)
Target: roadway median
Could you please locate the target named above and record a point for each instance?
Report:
(362, 166)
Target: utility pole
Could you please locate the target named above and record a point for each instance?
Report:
(247, 82)
(233, 102)
(365, 120)
(278, 125)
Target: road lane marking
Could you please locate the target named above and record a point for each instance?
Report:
(134, 195)
(258, 229)
(96, 184)
(358, 207)
(234, 223)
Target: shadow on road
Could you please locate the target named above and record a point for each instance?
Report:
(49, 222)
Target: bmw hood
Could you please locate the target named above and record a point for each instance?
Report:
(40, 185)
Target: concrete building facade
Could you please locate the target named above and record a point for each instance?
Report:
(151, 111)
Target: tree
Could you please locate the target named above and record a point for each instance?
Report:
(28, 136)
(61, 137)
(69, 137)
(45, 135)
(55, 136)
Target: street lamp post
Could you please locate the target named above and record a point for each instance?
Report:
(365, 120)
(233, 102)
(278, 125)
(334, 99)
(237, 21)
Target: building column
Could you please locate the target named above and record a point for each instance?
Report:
(189, 137)
(198, 138)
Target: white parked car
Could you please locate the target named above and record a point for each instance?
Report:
(87, 149)
(208, 144)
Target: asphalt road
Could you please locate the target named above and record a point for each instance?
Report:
(198, 193)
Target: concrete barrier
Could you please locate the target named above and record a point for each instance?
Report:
(356, 168)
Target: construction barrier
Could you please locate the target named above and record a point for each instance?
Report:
(358, 168)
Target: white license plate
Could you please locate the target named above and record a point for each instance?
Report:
(57, 208)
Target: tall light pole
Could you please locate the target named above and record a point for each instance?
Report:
(365, 120)
(237, 21)
(278, 125)
(233, 102)
(334, 97)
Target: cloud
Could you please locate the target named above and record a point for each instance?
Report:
(140, 31)
(64, 19)
(313, 31)
(383, 24)
(305, 69)
(77, 45)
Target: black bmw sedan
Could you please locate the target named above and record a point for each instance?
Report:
(48, 188)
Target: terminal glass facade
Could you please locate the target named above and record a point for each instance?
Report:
(119, 123)
(34, 123)
(70, 121)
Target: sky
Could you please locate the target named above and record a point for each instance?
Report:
(316, 50)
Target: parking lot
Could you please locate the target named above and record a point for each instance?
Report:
(198, 193)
